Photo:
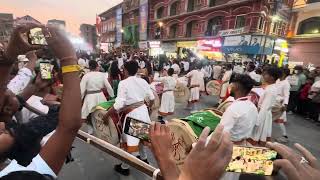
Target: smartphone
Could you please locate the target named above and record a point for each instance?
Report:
(252, 160)
(36, 37)
(137, 128)
(46, 70)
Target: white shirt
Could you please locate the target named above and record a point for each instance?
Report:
(186, 65)
(227, 76)
(169, 83)
(255, 76)
(314, 88)
(207, 70)
(283, 90)
(238, 69)
(83, 63)
(34, 101)
(37, 164)
(239, 119)
(132, 90)
(176, 68)
(216, 72)
(196, 77)
(20, 81)
(120, 62)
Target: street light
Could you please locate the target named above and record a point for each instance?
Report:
(121, 30)
(160, 24)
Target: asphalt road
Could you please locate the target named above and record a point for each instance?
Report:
(93, 164)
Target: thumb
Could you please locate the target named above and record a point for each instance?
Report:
(289, 170)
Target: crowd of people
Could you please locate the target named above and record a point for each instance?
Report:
(40, 118)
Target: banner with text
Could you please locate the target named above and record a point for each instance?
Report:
(143, 18)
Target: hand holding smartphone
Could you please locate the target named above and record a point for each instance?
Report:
(137, 128)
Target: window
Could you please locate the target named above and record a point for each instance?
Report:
(160, 12)
(214, 26)
(173, 31)
(191, 5)
(212, 3)
(261, 23)
(275, 27)
(240, 21)
(189, 29)
(309, 26)
(174, 8)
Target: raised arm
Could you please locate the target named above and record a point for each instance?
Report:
(59, 145)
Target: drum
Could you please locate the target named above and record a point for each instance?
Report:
(182, 139)
(181, 93)
(213, 88)
(155, 108)
(107, 132)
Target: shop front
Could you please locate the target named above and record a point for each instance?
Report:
(280, 52)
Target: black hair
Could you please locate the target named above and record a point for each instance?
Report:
(285, 71)
(274, 72)
(244, 81)
(114, 70)
(30, 175)
(228, 66)
(93, 64)
(132, 67)
(170, 71)
(252, 67)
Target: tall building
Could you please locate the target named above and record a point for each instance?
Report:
(110, 28)
(219, 29)
(57, 23)
(130, 22)
(304, 34)
(89, 34)
(6, 26)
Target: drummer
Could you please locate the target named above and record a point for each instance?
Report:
(167, 100)
(130, 101)
(240, 116)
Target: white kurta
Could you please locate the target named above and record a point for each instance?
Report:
(176, 68)
(239, 119)
(167, 100)
(263, 125)
(94, 81)
(226, 78)
(196, 79)
(283, 89)
(217, 72)
(130, 91)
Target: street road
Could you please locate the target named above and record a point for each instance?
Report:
(93, 164)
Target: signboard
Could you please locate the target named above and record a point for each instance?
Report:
(154, 44)
(143, 18)
(169, 47)
(118, 27)
(143, 44)
(230, 32)
(212, 45)
(187, 44)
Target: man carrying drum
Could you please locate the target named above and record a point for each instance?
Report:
(130, 103)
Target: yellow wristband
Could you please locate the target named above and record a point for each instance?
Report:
(70, 68)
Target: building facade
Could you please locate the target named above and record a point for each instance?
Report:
(6, 27)
(61, 24)
(130, 22)
(224, 24)
(25, 19)
(108, 28)
(304, 34)
(89, 34)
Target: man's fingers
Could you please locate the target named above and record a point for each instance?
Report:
(312, 160)
(151, 130)
(202, 139)
(162, 129)
(286, 153)
(287, 168)
(225, 149)
(215, 140)
(157, 127)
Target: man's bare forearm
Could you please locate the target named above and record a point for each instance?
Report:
(168, 168)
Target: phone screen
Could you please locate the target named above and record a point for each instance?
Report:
(137, 129)
(45, 71)
(37, 37)
(252, 160)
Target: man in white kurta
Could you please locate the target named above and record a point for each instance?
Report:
(196, 79)
(225, 81)
(283, 89)
(91, 86)
(130, 91)
(167, 100)
(217, 72)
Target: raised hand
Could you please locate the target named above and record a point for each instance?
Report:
(295, 166)
(19, 44)
(208, 162)
(59, 43)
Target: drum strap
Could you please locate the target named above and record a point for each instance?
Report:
(167, 90)
(194, 86)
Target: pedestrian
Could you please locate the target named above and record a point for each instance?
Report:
(296, 80)
(196, 78)
(225, 81)
(217, 71)
(303, 97)
(283, 89)
(263, 127)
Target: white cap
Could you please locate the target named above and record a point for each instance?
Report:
(22, 58)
